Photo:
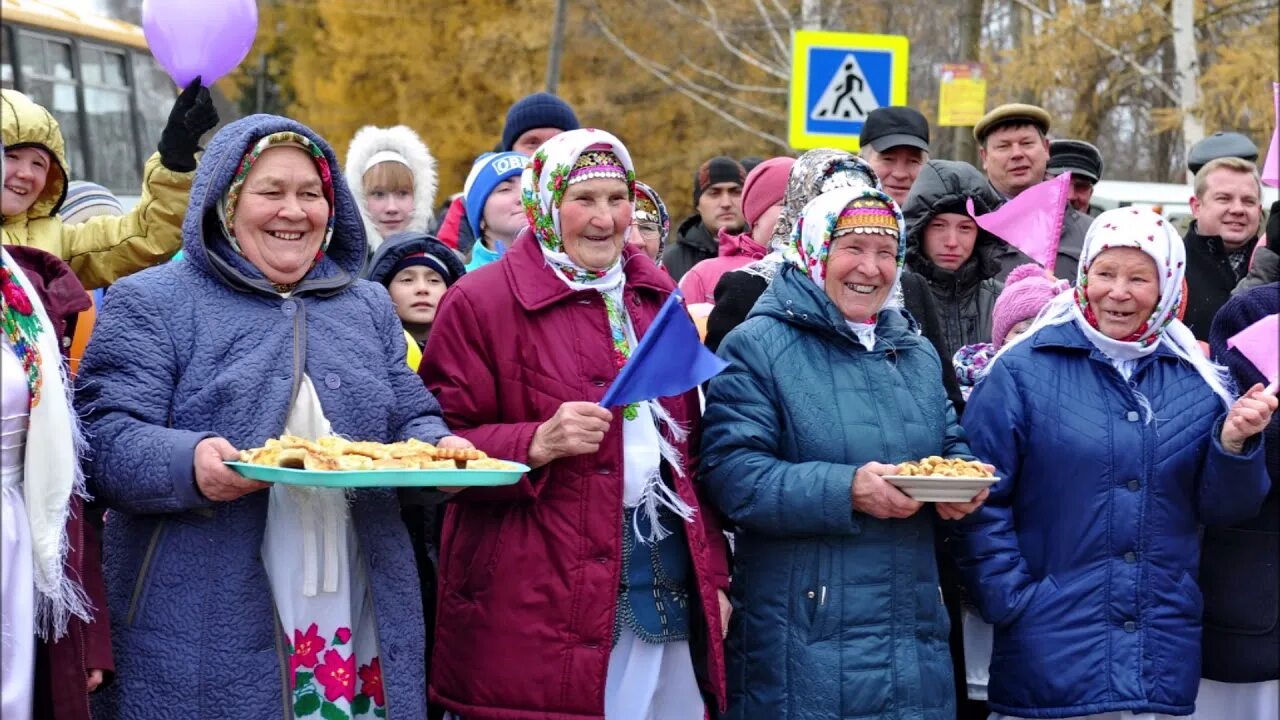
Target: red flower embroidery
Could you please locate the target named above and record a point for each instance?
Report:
(371, 682)
(306, 648)
(16, 298)
(338, 676)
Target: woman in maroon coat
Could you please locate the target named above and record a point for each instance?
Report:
(595, 586)
(72, 655)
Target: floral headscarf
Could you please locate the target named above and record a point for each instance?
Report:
(227, 206)
(818, 227)
(649, 202)
(543, 186)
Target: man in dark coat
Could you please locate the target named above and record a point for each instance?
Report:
(717, 199)
(1228, 212)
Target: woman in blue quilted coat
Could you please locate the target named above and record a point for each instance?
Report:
(1115, 439)
(229, 599)
(837, 608)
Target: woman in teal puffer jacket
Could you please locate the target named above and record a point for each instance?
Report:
(837, 608)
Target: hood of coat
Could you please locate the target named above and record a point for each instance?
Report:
(205, 245)
(732, 245)
(796, 300)
(59, 289)
(402, 245)
(24, 123)
(370, 141)
(944, 186)
(696, 235)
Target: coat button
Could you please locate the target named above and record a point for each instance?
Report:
(1131, 416)
(1133, 485)
(289, 307)
(332, 381)
(1131, 557)
(602, 559)
(598, 383)
(1131, 626)
(604, 470)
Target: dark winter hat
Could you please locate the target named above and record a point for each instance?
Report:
(538, 110)
(1011, 114)
(750, 162)
(1219, 145)
(407, 249)
(720, 169)
(890, 127)
(1078, 157)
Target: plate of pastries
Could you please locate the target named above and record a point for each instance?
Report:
(938, 479)
(339, 462)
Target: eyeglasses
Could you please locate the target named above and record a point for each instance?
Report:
(647, 227)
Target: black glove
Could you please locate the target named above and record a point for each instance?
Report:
(192, 116)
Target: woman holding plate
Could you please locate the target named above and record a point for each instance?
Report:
(593, 587)
(838, 611)
(225, 600)
(1115, 439)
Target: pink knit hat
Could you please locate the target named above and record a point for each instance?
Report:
(1026, 292)
(765, 186)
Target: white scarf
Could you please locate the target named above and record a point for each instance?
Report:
(51, 473)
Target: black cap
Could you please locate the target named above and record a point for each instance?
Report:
(889, 127)
(1077, 156)
(1219, 145)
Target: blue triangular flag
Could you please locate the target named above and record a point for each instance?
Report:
(669, 360)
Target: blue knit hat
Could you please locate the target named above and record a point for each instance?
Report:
(489, 170)
(538, 110)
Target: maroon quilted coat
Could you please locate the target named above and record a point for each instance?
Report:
(530, 572)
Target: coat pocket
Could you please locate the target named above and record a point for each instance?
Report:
(137, 598)
(472, 563)
(1238, 577)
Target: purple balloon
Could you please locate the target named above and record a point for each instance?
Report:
(208, 38)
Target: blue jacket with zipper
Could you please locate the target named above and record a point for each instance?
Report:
(207, 348)
(1085, 556)
(837, 615)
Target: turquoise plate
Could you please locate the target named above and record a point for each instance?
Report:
(380, 478)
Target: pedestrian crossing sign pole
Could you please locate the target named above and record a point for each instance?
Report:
(837, 79)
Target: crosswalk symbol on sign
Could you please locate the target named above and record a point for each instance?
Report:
(848, 97)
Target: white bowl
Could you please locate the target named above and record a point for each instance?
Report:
(937, 488)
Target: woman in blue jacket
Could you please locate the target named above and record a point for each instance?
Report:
(1115, 439)
(837, 608)
(229, 599)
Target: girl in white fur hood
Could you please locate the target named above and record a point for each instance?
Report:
(393, 177)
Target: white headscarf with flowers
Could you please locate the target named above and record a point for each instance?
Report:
(543, 186)
(811, 238)
(1147, 231)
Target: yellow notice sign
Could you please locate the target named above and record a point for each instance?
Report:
(962, 95)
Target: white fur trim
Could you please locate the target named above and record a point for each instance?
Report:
(371, 141)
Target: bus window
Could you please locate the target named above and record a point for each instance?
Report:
(6, 58)
(49, 77)
(106, 107)
(156, 93)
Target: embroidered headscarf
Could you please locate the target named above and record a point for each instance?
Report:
(858, 210)
(650, 208)
(814, 173)
(564, 160)
(227, 205)
(1147, 231)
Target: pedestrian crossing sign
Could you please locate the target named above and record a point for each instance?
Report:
(837, 79)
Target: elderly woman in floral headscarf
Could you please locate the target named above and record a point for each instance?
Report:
(835, 585)
(651, 224)
(594, 586)
(228, 598)
(1115, 439)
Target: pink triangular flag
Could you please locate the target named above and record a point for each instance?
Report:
(1032, 221)
(1271, 166)
(1260, 344)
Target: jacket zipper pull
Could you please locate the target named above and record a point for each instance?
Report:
(822, 596)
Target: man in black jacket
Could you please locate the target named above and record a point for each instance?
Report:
(1227, 208)
(717, 199)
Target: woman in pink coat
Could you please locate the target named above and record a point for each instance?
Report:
(595, 586)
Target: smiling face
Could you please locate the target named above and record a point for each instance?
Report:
(26, 170)
(646, 236)
(281, 214)
(898, 168)
(1229, 208)
(1123, 291)
(1015, 157)
(949, 239)
(416, 292)
(594, 216)
(860, 273)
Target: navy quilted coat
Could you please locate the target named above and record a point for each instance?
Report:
(837, 614)
(1085, 556)
(204, 347)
